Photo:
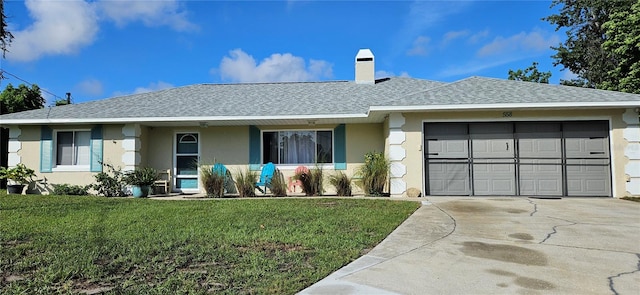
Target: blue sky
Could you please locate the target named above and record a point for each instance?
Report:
(100, 49)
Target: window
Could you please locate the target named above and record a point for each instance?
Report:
(297, 147)
(73, 148)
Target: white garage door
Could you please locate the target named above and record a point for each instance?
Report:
(518, 158)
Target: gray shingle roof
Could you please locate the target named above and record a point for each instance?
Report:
(320, 99)
(480, 90)
(251, 99)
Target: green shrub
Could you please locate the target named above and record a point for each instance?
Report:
(213, 182)
(141, 176)
(111, 183)
(245, 182)
(374, 173)
(342, 183)
(311, 181)
(70, 190)
(278, 186)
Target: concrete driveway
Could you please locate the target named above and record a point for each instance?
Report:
(502, 246)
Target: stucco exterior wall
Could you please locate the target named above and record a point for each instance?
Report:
(154, 147)
(29, 154)
(413, 144)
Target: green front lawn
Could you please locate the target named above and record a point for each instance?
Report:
(60, 244)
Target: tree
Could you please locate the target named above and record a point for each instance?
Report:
(530, 74)
(20, 99)
(623, 30)
(5, 36)
(583, 52)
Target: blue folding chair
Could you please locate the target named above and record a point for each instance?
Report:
(222, 171)
(265, 177)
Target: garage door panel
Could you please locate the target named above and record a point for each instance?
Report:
(492, 140)
(449, 178)
(539, 140)
(540, 177)
(586, 139)
(588, 177)
(447, 140)
(540, 148)
(449, 147)
(494, 177)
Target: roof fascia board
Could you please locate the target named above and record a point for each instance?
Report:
(179, 119)
(453, 107)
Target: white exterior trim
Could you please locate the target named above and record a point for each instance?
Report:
(14, 146)
(184, 119)
(514, 106)
(397, 154)
(131, 145)
(632, 134)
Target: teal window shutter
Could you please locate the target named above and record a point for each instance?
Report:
(254, 148)
(46, 149)
(96, 149)
(340, 147)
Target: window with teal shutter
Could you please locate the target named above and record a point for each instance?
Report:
(46, 149)
(340, 147)
(254, 148)
(96, 149)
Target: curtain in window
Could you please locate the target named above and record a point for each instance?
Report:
(73, 148)
(82, 151)
(297, 147)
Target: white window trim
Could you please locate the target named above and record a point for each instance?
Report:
(294, 166)
(68, 168)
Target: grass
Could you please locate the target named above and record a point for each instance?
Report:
(634, 199)
(63, 244)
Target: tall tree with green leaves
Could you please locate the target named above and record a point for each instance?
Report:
(623, 30)
(20, 99)
(5, 36)
(530, 74)
(583, 52)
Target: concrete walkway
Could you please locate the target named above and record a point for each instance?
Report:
(502, 246)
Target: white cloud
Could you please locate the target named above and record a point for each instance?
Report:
(475, 38)
(59, 27)
(386, 74)
(452, 35)
(65, 27)
(153, 86)
(422, 16)
(419, 47)
(242, 67)
(522, 42)
(475, 66)
(90, 87)
(151, 13)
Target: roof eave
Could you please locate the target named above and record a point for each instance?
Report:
(210, 120)
(503, 106)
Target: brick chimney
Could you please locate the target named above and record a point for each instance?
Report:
(365, 68)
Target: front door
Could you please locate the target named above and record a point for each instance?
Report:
(187, 154)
